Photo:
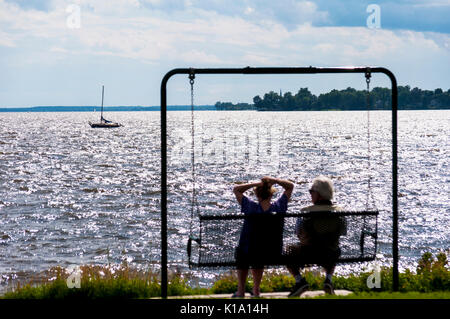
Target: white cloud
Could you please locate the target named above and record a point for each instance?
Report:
(127, 29)
(58, 50)
(207, 35)
(6, 40)
(198, 56)
(249, 10)
(432, 4)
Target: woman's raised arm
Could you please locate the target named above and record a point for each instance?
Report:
(287, 185)
(239, 190)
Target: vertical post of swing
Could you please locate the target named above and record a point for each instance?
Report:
(163, 112)
(395, 277)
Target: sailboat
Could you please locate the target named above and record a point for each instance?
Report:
(104, 122)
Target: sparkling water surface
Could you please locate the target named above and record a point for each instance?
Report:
(73, 195)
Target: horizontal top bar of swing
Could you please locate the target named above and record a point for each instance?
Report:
(300, 214)
(280, 70)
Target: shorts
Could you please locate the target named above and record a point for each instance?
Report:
(300, 256)
(255, 260)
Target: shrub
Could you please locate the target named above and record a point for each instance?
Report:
(100, 282)
(431, 276)
(227, 283)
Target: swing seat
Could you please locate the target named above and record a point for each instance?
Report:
(275, 235)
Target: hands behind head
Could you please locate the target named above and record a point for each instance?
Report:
(268, 180)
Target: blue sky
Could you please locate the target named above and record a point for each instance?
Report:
(128, 46)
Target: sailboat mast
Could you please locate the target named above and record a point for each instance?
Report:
(103, 93)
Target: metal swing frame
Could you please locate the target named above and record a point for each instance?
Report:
(277, 70)
(207, 259)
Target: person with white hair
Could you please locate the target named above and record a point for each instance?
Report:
(319, 237)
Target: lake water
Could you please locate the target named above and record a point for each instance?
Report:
(72, 195)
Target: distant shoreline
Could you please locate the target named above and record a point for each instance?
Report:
(36, 109)
(105, 109)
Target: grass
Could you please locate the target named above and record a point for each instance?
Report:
(430, 281)
(393, 295)
(100, 282)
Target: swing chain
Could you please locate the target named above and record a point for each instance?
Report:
(191, 82)
(368, 75)
(191, 76)
(194, 203)
(369, 151)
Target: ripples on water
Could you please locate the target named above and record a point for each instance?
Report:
(74, 195)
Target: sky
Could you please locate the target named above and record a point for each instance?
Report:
(56, 52)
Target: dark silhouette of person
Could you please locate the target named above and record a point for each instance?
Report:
(261, 238)
(319, 236)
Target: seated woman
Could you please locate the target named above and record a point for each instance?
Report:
(319, 237)
(260, 237)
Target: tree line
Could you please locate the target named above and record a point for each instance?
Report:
(348, 99)
(228, 106)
